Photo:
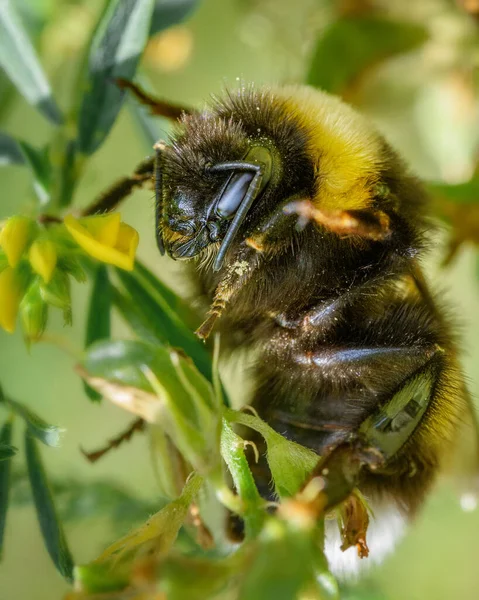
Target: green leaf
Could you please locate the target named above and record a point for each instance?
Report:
(20, 62)
(184, 311)
(158, 385)
(98, 322)
(10, 151)
(78, 500)
(232, 451)
(283, 563)
(18, 152)
(48, 434)
(198, 578)
(161, 529)
(101, 578)
(116, 48)
(39, 163)
(163, 321)
(350, 45)
(5, 468)
(289, 462)
(121, 362)
(169, 12)
(50, 525)
(133, 315)
(7, 451)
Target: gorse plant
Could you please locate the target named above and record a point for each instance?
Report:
(166, 377)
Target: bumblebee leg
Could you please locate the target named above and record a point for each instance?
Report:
(120, 190)
(243, 265)
(159, 149)
(156, 106)
(369, 224)
(124, 436)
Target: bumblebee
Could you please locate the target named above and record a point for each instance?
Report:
(309, 230)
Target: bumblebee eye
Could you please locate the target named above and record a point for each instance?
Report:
(233, 194)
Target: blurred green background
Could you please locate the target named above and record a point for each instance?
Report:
(425, 101)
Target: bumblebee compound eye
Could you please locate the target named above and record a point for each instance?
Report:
(233, 194)
(248, 179)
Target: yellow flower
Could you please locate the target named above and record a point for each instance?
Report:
(14, 238)
(10, 295)
(43, 258)
(105, 238)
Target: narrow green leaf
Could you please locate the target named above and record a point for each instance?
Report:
(134, 316)
(50, 525)
(10, 151)
(78, 500)
(70, 168)
(7, 451)
(169, 12)
(184, 311)
(5, 468)
(98, 322)
(117, 46)
(351, 45)
(48, 434)
(39, 163)
(20, 62)
(164, 322)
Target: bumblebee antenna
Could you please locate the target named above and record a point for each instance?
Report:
(156, 106)
(254, 189)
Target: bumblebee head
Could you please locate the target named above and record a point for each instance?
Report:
(210, 206)
(222, 172)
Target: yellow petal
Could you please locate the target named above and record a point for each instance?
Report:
(14, 238)
(121, 255)
(10, 296)
(43, 258)
(103, 228)
(127, 243)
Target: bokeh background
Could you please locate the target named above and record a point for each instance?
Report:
(423, 97)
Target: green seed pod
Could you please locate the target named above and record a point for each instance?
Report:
(34, 312)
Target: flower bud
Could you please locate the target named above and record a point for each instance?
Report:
(34, 312)
(11, 291)
(43, 258)
(14, 238)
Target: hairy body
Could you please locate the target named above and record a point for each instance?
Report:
(352, 348)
